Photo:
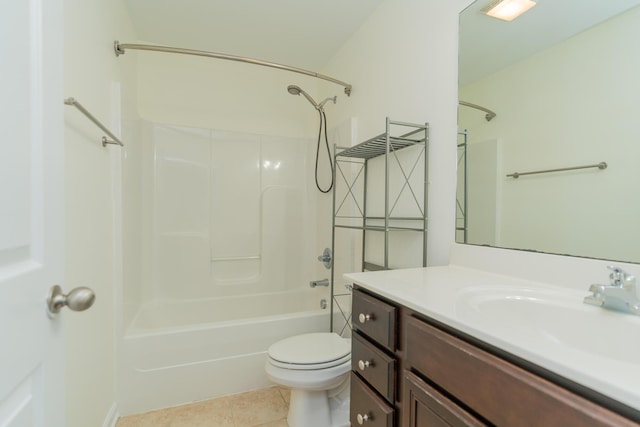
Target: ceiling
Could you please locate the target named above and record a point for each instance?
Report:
(488, 44)
(300, 33)
(307, 33)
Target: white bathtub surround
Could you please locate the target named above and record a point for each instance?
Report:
(543, 323)
(226, 249)
(224, 214)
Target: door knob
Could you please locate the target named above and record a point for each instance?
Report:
(79, 299)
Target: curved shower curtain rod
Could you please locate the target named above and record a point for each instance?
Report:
(490, 114)
(120, 49)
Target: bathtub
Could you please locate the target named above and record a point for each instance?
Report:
(179, 352)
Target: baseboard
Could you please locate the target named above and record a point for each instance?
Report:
(112, 417)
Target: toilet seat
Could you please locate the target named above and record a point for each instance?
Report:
(310, 351)
(310, 366)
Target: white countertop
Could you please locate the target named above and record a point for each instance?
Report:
(586, 344)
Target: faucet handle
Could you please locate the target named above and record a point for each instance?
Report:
(597, 297)
(620, 278)
(617, 275)
(629, 282)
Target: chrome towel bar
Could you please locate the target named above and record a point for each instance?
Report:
(515, 175)
(114, 140)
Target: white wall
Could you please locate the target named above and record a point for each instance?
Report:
(567, 106)
(92, 75)
(224, 95)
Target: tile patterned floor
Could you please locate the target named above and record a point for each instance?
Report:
(264, 408)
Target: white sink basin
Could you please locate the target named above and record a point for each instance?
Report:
(557, 318)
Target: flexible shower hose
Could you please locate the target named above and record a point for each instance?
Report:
(323, 123)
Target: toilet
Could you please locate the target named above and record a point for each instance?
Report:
(316, 368)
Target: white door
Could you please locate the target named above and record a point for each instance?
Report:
(31, 212)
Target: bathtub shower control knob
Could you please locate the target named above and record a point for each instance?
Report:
(363, 364)
(325, 258)
(364, 318)
(362, 418)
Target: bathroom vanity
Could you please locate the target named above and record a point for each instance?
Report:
(437, 347)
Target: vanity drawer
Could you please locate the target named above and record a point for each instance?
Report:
(374, 365)
(365, 403)
(374, 318)
(499, 391)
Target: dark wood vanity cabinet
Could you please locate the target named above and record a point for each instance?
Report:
(411, 373)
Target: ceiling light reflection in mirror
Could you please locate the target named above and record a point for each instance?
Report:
(508, 10)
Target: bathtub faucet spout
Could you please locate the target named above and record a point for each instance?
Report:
(323, 282)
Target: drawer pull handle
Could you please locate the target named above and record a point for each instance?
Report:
(363, 364)
(364, 318)
(362, 418)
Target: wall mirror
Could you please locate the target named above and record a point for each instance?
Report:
(564, 82)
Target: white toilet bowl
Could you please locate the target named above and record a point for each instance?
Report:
(316, 369)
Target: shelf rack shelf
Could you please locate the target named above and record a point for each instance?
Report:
(351, 168)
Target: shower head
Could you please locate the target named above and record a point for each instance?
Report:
(295, 90)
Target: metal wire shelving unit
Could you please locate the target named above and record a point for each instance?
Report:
(351, 168)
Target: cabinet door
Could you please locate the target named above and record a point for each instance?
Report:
(424, 406)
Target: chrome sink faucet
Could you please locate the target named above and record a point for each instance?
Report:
(620, 294)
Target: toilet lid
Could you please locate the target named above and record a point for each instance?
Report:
(311, 349)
